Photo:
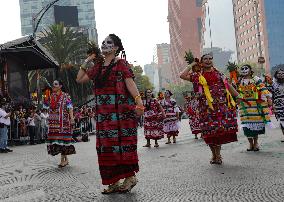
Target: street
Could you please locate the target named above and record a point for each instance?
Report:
(176, 172)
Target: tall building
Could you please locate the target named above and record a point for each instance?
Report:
(151, 70)
(259, 28)
(162, 59)
(221, 57)
(74, 13)
(185, 25)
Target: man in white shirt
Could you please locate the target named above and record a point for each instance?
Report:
(4, 124)
(31, 127)
(44, 125)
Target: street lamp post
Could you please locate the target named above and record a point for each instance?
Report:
(41, 13)
(256, 3)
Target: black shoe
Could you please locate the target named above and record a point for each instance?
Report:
(9, 150)
(3, 151)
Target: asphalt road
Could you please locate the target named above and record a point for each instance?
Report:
(176, 172)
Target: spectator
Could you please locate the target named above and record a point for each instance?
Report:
(44, 124)
(4, 124)
(31, 127)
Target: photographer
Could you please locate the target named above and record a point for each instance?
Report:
(4, 124)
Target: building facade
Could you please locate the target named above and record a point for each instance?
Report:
(185, 27)
(162, 59)
(259, 28)
(74, 13)
(151, 70)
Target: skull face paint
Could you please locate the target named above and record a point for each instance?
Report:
(107, 45)
(280, 74)
(245, 70)
(168, 93)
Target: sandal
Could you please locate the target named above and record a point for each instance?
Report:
(218, 160)
(156, 145)
(113, 188)
(213, 160)
(62, 165)
(256, 149)
(147, 145)
(128, 184)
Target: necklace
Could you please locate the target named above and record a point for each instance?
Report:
(54, 100)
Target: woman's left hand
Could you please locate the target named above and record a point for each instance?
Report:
(139, 110)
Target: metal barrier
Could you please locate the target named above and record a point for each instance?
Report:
(19, 134)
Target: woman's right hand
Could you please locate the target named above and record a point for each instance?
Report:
(193, 64)
(90, 58)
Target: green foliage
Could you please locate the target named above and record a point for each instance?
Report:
(142, 81)
(232, 66)
(66, 45)
(69, 48)
(179, 90)
(189, 58)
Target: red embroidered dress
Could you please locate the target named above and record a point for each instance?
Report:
(171, 123)
(193, 114)
(218, 126)
(59, 138)
(153, 120)
(193, 104)
(116, 124)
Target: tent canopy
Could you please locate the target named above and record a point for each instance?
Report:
(30, 52)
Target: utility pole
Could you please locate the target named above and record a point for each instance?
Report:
(256, 3)
(40, 14)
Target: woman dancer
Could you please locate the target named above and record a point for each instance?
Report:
(153, 119)
(278, 97)
(59, 138)
(193, 114)
(117, 100)
(216, 107)
(171, 122)
(254, 109)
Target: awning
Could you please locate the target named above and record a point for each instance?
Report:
(30, 52)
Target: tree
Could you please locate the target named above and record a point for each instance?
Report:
(68, 47)
(179, 90)
(142, 81)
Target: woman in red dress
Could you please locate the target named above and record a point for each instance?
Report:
(117, 103)
(171, 121)
(59, 138)
(216, 107)
(153, 119)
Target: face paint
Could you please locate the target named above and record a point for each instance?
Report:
(107, 45)
(56, 84)
(245, 70)
(280, 74)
